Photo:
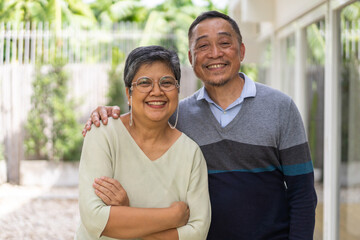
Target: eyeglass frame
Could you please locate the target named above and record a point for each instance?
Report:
(153, 82)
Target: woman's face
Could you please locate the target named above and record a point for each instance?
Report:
(156, 105)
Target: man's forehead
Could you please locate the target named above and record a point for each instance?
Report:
(212, 25)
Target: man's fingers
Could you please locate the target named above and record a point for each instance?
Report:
(115, 112)
(95, 118)
(87, 127)
(103, 114)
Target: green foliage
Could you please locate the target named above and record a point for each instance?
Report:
(174, 17)
(60, 12)
(116, 93)
(250, 70)
(52, 129)
(108, 12)
(316, 41)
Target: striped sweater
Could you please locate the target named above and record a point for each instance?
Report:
(261, 180)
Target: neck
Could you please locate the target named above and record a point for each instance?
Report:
(148, 132)
(227, 94)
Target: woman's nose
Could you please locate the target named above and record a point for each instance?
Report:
(156, 89)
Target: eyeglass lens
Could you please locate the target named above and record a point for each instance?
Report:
(166, 83)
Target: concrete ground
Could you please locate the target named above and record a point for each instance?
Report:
(29, 212)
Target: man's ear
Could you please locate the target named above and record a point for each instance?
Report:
(190, 57)
(242, 52)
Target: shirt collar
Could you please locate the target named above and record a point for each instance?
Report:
(249, 90)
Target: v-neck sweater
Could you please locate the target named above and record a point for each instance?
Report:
(180, 174)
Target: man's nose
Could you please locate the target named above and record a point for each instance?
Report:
(215, 51)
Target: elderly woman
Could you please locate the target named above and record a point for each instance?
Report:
(163, 175)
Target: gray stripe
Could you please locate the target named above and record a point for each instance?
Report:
(242, 157)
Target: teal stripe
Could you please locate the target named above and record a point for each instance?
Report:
(298, 169)
(254, 170)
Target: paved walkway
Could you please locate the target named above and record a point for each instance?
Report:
(38, 213)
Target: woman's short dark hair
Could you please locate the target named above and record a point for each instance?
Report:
(215, 14)
(148, 55)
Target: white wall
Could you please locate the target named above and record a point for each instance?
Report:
(289, 10)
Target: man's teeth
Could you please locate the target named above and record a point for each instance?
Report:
(156, 103)
(216, 66)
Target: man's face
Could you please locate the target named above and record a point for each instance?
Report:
(215, 53)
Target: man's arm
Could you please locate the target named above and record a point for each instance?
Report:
(101, 113)
(299, 176)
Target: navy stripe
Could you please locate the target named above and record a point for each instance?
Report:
(240, 199)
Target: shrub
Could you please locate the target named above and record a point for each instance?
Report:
(53, 132)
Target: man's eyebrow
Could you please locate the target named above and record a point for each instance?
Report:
(201, 37)
(225, 33)
(219, 33)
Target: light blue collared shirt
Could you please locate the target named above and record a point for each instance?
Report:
(224, 117)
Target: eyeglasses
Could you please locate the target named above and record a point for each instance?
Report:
(146, 84)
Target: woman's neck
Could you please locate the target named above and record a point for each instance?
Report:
(143, 131)
(154, 138)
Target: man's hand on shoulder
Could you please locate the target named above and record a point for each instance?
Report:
(101, 113)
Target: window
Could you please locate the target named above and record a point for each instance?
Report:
(315, 75)
(350, 122)
(288, 64)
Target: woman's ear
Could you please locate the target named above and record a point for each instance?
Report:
(128, 94)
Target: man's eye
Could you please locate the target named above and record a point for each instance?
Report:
(202, 46)
(225, 43)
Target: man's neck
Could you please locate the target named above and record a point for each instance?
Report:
(227, 94)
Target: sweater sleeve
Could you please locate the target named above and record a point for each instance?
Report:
(95, 162)
(299, 176)
(198, 201)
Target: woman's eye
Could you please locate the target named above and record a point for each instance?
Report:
(144, 82)
(167, 82)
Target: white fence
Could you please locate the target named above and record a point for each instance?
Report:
(34, 43)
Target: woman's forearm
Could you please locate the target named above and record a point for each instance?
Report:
(130, 222)
(171, 234)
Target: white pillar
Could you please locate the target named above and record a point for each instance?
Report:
(331, 127)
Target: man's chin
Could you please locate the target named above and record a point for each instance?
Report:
(216, 83)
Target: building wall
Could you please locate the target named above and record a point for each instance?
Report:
(289, 10)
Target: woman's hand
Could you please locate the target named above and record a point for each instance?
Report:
(181, 213)
(111, 192)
